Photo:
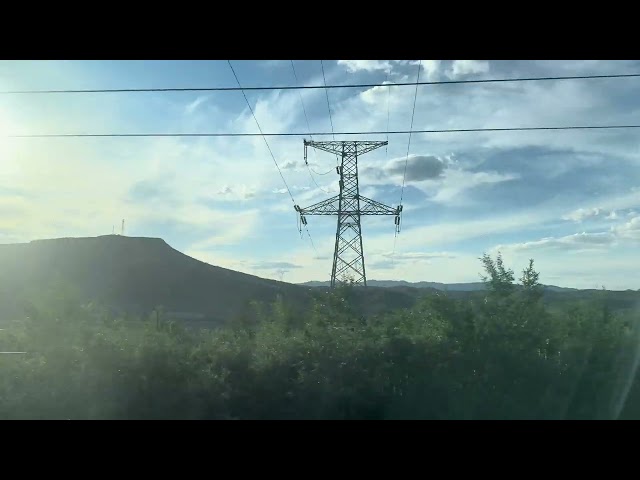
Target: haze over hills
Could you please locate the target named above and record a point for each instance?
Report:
(137, 274)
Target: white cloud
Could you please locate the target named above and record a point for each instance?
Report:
(239, 192)
(437, 176)
(461, 68)
(431, 69)
(375, 95)
(577, 241)
(628, 230)
(609, 204)
(366, 65)
(581, 241)
(193, 106)
(290, 165)
(447, 234)
(222, 228)
(456, 182)
(582, 213)
(418, 256)
(274, 265)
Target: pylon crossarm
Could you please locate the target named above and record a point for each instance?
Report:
(330, 207)
(336, 147)
(325, 207)
(371, 207)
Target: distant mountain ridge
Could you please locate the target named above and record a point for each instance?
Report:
(451, 287)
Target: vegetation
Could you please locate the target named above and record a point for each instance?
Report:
(502, 355)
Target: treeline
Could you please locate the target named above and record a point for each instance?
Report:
(506, 356)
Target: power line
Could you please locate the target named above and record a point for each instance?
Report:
(326, 91)
(306, 227)
(263, 137)
(321, 134)
(413, 113)
(309, 169)
(311, 240)
(386, 147)
(386, 157)
(306, 118)
(315, 87)
(269, 148)
(318, 173)
(295, 75)
(406, 161)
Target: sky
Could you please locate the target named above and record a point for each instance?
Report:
(568, 199)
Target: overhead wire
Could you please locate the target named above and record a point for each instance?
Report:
(309, 128)
(321, 134)
(327, 94)
(386, 150)
(309, 169)
(406, 161)
(312, 87)
(262, 134)
(386, 147)
(269, 148)
(326, 91)
(413, 113)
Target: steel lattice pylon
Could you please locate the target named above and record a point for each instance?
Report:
(349, 206)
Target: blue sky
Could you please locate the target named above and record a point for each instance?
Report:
(569, 199)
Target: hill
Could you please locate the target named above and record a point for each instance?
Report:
(135, 274)
(132, 274)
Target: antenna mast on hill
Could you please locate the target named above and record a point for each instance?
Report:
(349, 206)
(122, 230)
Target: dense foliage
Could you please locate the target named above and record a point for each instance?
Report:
(506, 356)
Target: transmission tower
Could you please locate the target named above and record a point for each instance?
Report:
(349, 206)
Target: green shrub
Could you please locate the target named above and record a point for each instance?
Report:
(504, 356)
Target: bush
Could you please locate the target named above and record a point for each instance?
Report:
(506, 356)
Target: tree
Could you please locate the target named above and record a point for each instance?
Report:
(530, 282)
(499, 280)
(530, 277)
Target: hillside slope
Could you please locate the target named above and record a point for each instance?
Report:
(133, 274)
